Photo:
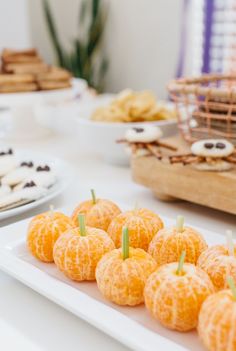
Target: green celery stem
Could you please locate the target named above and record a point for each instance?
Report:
(180, 224)
(93, 196)
(181, 263)
(82, 228)
(125, 243)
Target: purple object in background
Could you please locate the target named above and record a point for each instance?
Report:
(208, 22)
(209, 7)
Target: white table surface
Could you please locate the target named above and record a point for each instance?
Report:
(29, 321)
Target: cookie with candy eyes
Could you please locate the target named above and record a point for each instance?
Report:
(7, 161)
(209, 155)
(144, 141)
(18, 174)
(42, 176)
(21, 197)
(216, 148)
(4, 190)
(144, 134)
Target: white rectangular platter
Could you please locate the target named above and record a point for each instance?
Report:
(132, 326)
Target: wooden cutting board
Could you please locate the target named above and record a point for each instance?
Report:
(170, 182)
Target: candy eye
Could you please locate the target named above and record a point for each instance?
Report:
(220, 146)
(138, 130)
(29, 185)
(208, 145)
(27, 164)
(43, 169)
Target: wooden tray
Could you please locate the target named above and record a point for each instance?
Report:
(170, 182)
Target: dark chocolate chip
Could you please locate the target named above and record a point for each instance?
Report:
(10, 152)
(220, 146)
(43, 169)
(138, 130)
(27, 164)
(208, 145)
(29, 184)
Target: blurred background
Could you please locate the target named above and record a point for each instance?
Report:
(141, 40)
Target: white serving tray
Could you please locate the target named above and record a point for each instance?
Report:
(132, 326)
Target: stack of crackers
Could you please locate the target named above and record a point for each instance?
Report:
(25, 71)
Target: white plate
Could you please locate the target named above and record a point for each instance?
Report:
(63, 173)
(132, 326)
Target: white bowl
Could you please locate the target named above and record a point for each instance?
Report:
(100, 137)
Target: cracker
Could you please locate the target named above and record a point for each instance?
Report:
(54, 74)
(51, 85)
(7, 79)
(32, 68)
(15, 53)
(18, 87)
(21, 59)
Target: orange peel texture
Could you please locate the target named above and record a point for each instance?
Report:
(168, 244)
(175, 300)
(142, 224)
(97, 215)
(122, 281)
(77, 256)
(43, 231)
(217, 322)
(218, 264)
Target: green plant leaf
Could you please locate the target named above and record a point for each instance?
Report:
(53, 32)
(84, 59)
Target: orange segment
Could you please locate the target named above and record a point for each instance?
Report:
(43, 231)
(217, 322)
(122, 281)
(168, 244)
(218, 264)
(97, 215)
(175, 300)
(142, 224)
(77, 256)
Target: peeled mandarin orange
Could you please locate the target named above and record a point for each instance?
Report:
(217, 322)
(168, 243)
(98, 212)
(175, 299)
(218, 264)
(43, 231)
(122, 281)
(121, 274)
(143, 224)
(77, 255)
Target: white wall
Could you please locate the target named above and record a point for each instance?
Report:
(141, 40)
(14, 24)
(143, 43)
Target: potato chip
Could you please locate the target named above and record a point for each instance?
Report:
(130, 106)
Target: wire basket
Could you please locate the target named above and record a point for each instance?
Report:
(205, 106)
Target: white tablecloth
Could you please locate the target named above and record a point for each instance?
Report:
(29, 321)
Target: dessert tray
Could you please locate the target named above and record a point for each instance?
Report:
(57, 179)
(131, 326)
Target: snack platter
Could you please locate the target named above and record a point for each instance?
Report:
(132, 326)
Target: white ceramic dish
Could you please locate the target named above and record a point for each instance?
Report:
(132, 326)
(31, 112)
(64, 174)
(100, 137)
